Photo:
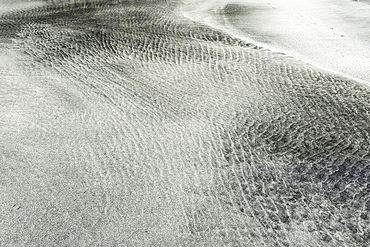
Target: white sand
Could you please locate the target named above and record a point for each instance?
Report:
(332, 34)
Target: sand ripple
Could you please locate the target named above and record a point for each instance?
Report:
(126, 124)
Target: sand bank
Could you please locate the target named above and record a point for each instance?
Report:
(333, 35)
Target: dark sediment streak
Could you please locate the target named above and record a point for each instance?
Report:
(156, 130)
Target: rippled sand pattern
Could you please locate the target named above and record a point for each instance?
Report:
(125, 124)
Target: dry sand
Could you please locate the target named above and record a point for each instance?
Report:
(332, 34)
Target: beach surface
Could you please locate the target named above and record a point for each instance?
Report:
(171, 123)
(7, 6)
(334, 35)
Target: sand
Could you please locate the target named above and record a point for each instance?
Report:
(13, 5)
(334, 35)
(127, 124)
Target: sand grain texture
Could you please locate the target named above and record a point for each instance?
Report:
(124, 123)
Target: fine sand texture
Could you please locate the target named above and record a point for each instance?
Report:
(132, 123)
(332, 34)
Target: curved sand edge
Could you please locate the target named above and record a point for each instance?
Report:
(329, 34)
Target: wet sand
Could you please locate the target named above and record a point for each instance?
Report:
(126, 124)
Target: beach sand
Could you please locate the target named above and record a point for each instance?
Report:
(7, 6)
(334, 35)
(127, 124)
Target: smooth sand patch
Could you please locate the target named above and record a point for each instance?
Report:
(13, 5)
(333, 35)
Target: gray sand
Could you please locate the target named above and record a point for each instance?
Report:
(128, 124)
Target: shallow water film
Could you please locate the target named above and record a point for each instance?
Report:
(129, 123)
